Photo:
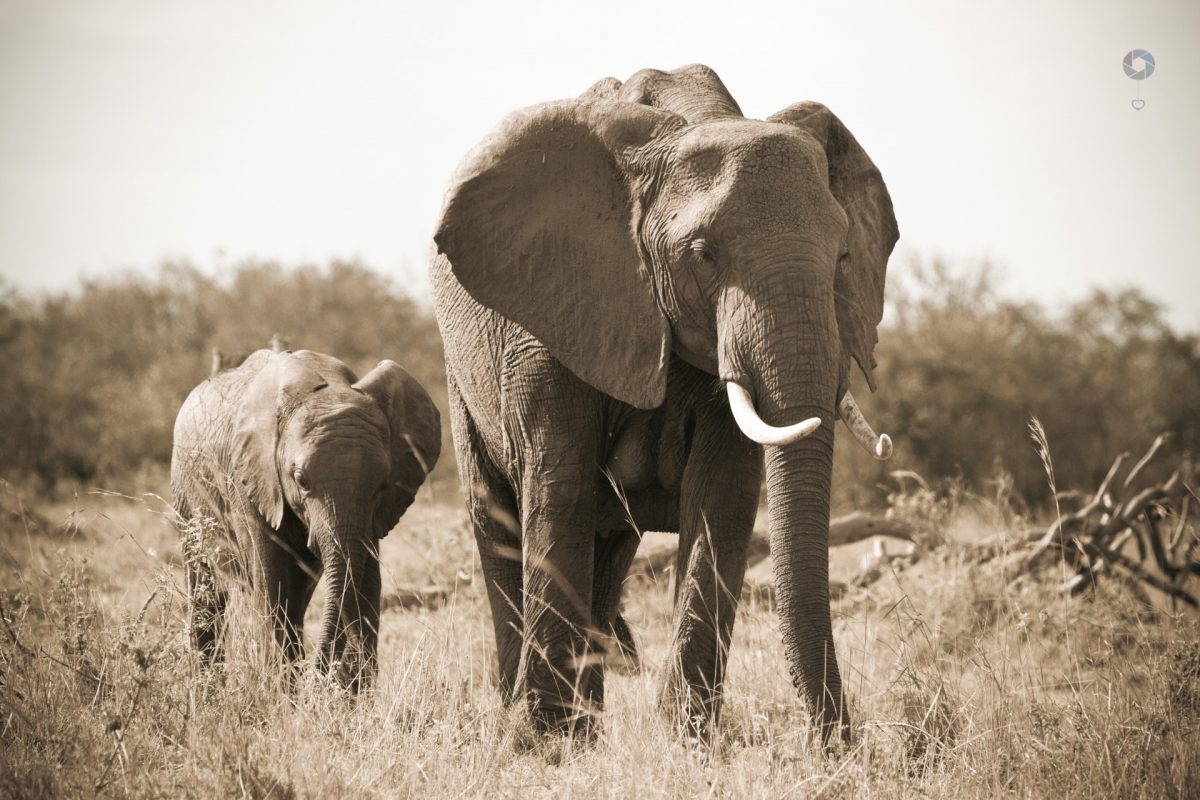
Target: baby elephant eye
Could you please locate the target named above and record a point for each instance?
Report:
(301, 478)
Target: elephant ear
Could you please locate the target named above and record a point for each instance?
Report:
(273, 394)
(539, 225)
(857, 185)
(415, 437)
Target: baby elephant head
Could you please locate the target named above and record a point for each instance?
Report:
(318, 450)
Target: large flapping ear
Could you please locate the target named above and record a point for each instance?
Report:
(279, 387)
(695, 92)
(857, 185)
(415, 437)
(539, 224)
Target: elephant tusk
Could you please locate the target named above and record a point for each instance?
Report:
(878, 446)
(759, 431)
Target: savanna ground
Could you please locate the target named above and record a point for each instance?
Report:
(960, 686)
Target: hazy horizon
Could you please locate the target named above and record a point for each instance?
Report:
(133, 133)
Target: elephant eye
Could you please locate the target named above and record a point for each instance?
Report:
(301, 479)
(704, 251)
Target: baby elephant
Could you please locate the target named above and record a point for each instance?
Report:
(289, 466)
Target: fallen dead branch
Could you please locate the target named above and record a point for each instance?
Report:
(1141, 534)
(1138, 533)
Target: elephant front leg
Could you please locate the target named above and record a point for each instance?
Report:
(718, 501)
(289, 578)
(561, 665)
(206, 611)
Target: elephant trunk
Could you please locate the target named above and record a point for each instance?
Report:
(792, 371)
(798, 487)
(350, 622)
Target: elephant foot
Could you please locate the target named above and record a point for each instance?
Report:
(568, 705)
(695, 711)
(552, 742)
(578, 725)
(545, 717)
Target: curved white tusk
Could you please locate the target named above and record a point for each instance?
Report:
(878, 446)
(753, 426)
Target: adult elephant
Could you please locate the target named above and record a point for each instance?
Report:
(637, 288)
(298, 468)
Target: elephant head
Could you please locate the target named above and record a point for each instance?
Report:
(650, 218)
(344, 458)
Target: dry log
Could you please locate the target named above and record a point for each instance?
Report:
(859, 525)
(656, 554)
(427, 597)
(759, 583)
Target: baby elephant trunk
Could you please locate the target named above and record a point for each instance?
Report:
(350, 625)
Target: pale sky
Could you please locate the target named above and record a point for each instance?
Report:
(133, 132)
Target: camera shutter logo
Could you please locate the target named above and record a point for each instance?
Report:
(1139, 65)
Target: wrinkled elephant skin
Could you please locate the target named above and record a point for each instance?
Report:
(287, 467)
(611, 272)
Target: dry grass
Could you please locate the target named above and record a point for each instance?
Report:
(960, 687)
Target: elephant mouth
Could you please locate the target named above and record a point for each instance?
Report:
(758, 430)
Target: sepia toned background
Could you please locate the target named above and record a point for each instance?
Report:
(179, 177)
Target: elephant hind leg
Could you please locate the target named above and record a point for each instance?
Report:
(719, 498)
(289, 585)
(493, 514)
(493, 511)
(614, 555)
(631, 659)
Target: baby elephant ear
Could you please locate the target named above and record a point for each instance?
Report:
(282, 383)
(415, 438)
(857, 185)
(539, 226)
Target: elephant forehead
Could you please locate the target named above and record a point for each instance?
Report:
(749, 173)
(331, 414)
(738, 146)
(344, 439)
